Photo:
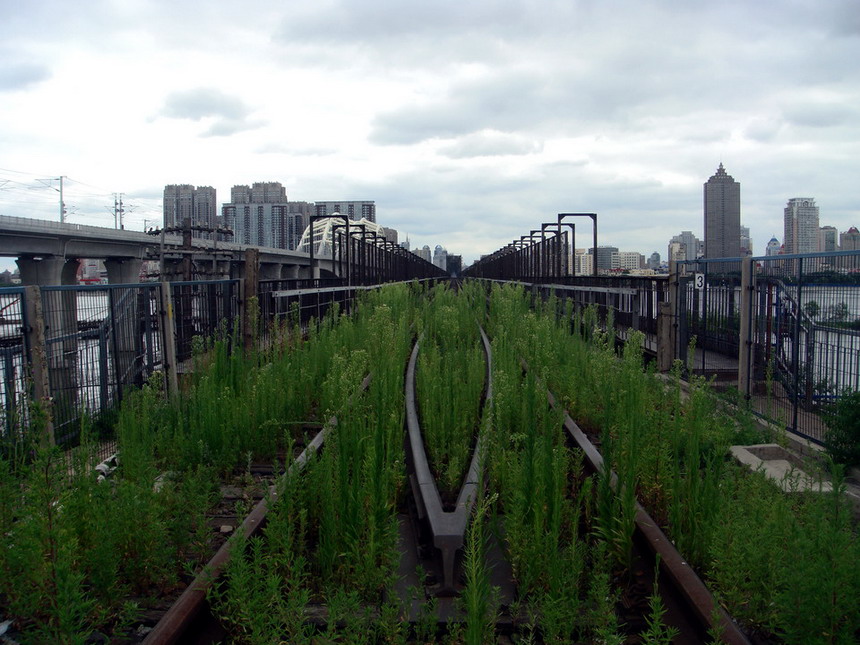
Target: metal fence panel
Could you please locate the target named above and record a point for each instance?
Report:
(807, 335)
(203, 309)
(14, 412)
(804, 331)
(99, 340)
(709, 313)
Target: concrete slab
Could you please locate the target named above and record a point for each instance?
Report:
(781, 466)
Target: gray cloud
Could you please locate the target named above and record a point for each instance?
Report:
(203, 102)
(274, 148)
(821, 114)
(229, 113)
(491, 144)
(227, 127)
(763, 129)
(18, 76)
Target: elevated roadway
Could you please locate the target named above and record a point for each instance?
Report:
(47, 253)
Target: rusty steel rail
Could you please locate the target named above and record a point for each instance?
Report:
(448, 528)
(698, 600)
(177, 623)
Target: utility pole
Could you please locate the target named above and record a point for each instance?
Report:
(62, 205)
(117, 210)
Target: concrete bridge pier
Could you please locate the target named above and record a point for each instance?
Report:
(60, 312)
(270, 270)
(123, 270)
(289, 271)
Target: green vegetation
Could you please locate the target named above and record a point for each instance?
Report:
(842, 438)
(764, 554)
(450, 380)
(78, 560)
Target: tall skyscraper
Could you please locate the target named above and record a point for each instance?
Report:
(801, 225)
(722, 216)
(260, 215)
(185, 202)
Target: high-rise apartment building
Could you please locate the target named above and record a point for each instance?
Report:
(828, 239)
(722, 216)
(353, 210)
(801, 226)
(197, 205)
(261, 215)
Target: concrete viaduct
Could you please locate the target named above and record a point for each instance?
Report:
(47, 253)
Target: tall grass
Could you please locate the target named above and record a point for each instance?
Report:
(332, 536)
(450, 379)
(785, 565)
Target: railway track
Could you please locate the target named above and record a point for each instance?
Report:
(431, 539)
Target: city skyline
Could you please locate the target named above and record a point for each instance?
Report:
(468, 124)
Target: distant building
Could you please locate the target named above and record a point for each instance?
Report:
(604, 257)
(801, 225)
(424, 253)
(390, 234)
(689, 246)
(197, 205)
(746, 241)
(627, 261)
(773, 247)
(353, 210)
(828, 239)
(298, 219)
(440, 257)
(583, 262)
(261, 215)
(455, 265)
(654, 261)
(722, 215)
(849, 240)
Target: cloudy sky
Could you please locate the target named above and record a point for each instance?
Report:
(469, 122)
